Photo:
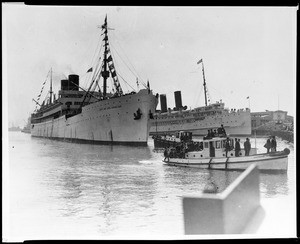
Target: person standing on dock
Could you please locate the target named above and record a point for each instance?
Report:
(247, 147)
(237, 147)
(268, 145)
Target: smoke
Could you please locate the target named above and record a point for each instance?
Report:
(60, 72)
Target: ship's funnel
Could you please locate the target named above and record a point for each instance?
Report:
(163, 103)
(178, 103)
(73, 82)
(65, 85)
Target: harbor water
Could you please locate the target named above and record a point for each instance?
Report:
(60, 190)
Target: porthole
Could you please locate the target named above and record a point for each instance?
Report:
(231, 154)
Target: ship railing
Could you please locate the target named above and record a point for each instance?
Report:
(233, 110)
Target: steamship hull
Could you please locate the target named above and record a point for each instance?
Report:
(235, 124)
(107, 121)
(200, 119)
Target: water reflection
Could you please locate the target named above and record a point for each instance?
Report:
(105, 181)
(216, 181)
(112, 189)
(221, 179)
(274, 184)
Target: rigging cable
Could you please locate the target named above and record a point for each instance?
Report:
(98, 57)
(126, 82)
(136, 73)
(43, 86)
(123, 60)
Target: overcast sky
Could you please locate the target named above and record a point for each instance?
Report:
(246, 52)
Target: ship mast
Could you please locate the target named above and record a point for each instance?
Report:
(204, 83)
(105, 72)
(51, 86)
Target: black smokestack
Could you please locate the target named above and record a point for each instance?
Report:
(73, 82)
(163, 103)
(178, 103)
(65, 85)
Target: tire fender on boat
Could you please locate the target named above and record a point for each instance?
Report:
(286, 151)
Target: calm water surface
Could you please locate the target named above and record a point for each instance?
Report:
(61, 190)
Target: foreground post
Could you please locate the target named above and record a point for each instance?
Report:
(227, 212)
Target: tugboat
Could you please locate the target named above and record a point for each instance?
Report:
(214, 156)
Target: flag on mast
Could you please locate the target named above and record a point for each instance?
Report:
(248, 97)
(199, 61)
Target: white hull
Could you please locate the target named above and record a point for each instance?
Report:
(110, 121)
(235, 123)
(263, 161)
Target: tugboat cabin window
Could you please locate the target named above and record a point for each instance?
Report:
(223, 143)
(205, 144)
(218, 144)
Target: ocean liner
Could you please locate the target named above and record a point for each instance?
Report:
(199, 120)
(95, 116)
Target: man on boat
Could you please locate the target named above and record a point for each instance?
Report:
(268, 145)
(208, 136)
(167, 153)
(273, 144)
(227, 146)
(237, 147)
(221, 131)
(247, 147)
